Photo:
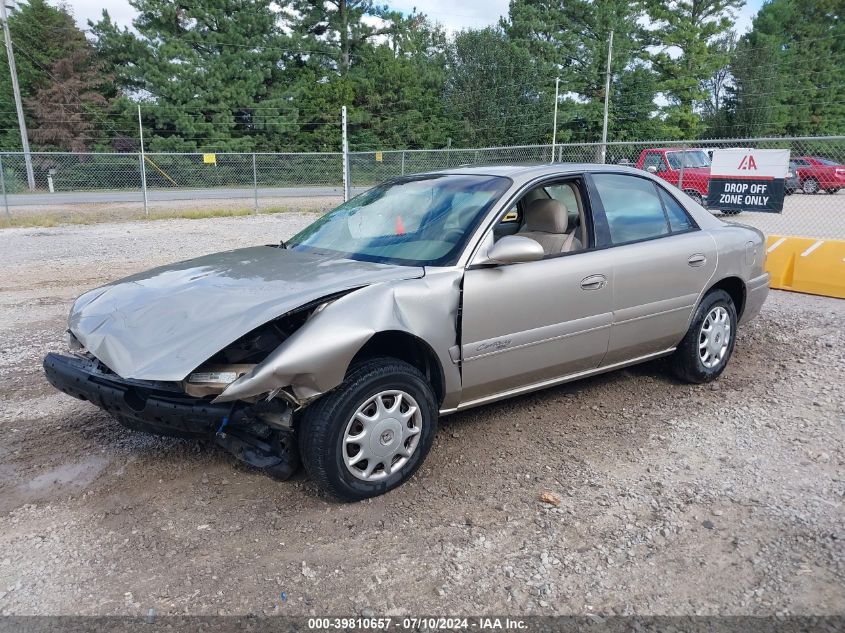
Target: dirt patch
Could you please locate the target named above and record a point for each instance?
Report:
(718, 499)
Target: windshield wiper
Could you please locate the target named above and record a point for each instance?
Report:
(283, 245)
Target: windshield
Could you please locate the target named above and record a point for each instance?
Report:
(419, 220)
(691, 158)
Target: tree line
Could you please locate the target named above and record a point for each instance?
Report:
(272, 75)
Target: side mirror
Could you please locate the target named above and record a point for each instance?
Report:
(651, 169)
(513, 249)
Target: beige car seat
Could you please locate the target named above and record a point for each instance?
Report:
(546, 222)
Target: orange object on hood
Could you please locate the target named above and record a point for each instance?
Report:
(400, 226)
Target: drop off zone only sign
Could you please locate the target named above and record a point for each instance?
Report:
(747, 180)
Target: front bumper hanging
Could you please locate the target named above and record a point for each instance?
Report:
(155, 404)
(164, 409)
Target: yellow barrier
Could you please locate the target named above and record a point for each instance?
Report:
(804, 264)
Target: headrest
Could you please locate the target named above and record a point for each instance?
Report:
(546, 216)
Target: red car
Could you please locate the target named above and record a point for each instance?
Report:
(666, 163)
(815, 174)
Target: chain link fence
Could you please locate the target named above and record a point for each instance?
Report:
(814, 206)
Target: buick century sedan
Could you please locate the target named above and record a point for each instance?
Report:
(426, 295)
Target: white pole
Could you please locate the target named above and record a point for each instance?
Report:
(345, 150)
(3, 183)
(143, 159)
(554, 125)
(606, 101)
(10, 53)
(254, 179)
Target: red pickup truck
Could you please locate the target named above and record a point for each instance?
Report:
(816, 174)
(666, 162)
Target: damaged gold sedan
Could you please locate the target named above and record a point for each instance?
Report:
(425, 295)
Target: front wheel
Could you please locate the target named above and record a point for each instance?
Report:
(371, 433)
(810, 186)
(705, 350)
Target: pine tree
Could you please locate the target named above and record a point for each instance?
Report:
(206, 70)
(494, 93)
(389, 76)
(42, 35)
(570, 40)
(68, 110)
(788, 71)
(688, 34)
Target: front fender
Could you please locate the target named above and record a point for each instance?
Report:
(314, 359)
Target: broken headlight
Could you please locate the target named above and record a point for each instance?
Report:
(211, 380)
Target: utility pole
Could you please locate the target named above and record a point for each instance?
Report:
(606, 101)
(10, 53)
(142, 158)
(345, 150)
(554, 125)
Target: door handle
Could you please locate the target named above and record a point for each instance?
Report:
(697, 260)
(593, 282)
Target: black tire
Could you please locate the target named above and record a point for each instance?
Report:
(323, 425)
(832, 190)
(731, 212)
(686, 361)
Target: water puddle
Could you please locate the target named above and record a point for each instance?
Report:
(76, 474)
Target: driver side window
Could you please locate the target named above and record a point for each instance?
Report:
(550, 214)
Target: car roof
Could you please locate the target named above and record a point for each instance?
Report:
(523, 173)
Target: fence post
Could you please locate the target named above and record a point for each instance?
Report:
(141, 157)
(3, 184)
(143, 181)
(345, 148)
(403, 162)
(683, 163)
(255, 182)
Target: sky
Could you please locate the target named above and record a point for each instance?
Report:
(470, 14)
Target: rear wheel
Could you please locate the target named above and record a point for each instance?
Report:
(371, 433)
(707, 347)
(811, 186)
(832, 190)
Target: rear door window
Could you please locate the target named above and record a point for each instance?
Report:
(679, 220)
(632, 207)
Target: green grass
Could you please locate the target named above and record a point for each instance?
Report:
(33, 220)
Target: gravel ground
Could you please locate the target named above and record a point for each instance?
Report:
(718, 499)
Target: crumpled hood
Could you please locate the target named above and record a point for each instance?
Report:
(163, 323)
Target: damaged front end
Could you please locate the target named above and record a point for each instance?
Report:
(257, 430)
